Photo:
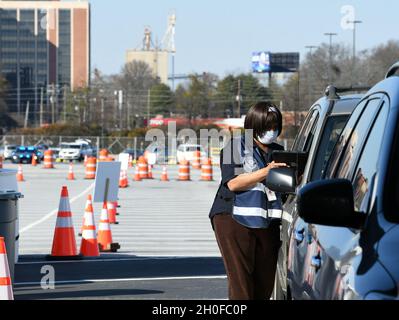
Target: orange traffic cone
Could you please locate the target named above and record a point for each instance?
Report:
(164, 176)
(123, 181)
(20, 174)
(104, 236)
(111, 212)
(184, 171)
(64, 243)
(137, 176)
(5, 278)
(89, 244)
(150, 176)
(87, 213)
(34, 160)
(71, 175)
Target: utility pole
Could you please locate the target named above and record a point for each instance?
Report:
(354, 22)
(148, 107)
(309, 76)
(239, 99)
(52, 101)
(102, 115)
(120, 101)
(330, 56)
(116, 108)
(26, 115)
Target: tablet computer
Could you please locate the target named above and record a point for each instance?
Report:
(294, 159)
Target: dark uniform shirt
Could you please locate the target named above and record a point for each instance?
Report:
(224, 200)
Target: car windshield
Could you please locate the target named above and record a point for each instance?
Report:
(70, 146)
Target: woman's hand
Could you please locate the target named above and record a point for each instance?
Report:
(273, 165)
(249, 180)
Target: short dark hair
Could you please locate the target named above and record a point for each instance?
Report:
(264, 116)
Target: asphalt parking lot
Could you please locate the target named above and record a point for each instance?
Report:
(168, 249)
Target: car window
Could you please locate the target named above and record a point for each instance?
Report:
(330, 136)
(336, 154)
(357, 138)
(367, 166)
(306, 134)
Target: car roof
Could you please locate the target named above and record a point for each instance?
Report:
(342, 106)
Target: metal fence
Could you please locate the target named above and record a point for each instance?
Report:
(116, 145)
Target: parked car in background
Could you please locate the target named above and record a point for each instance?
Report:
(345, 233)
(75, 151)
(8, 150)
(25, 155)
(316, 139)
(187, 151)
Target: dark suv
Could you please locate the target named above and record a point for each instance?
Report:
(316, 139)
(345, 236)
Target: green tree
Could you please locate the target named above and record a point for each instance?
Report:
(162, 100)
(244, 86)
(195, 98)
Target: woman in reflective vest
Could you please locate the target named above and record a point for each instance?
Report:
(246, 216)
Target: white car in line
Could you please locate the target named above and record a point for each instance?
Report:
(75, 151)
(8, 150)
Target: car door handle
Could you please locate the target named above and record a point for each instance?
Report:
(316, 262)
(299, 235)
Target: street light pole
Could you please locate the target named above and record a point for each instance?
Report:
(330, 34)
(354, 22)
(310, 48)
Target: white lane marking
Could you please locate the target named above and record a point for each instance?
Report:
(52, 213)
(123, 280)
(122, 259)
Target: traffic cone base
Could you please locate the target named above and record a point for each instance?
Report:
(113, 247)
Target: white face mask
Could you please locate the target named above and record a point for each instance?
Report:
(268, 138)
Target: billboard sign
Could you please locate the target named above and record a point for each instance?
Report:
(261, 62)
(267, 62)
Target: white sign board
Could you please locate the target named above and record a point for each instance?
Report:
(124, 159)
(107, 181)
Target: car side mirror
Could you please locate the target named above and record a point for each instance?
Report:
(329, 203)
(282, 180)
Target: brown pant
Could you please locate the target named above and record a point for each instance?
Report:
(250, 257)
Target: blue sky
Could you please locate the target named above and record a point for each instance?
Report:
(220, 35)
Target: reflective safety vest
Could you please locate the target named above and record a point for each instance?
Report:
(256, 208)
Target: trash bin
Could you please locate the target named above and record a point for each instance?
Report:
(9, 197)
